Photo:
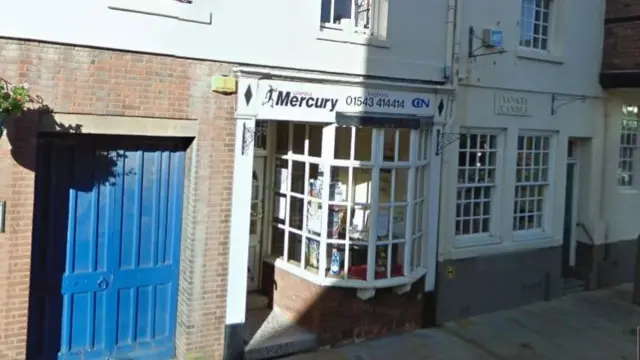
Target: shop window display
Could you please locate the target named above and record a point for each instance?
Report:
(349, 202)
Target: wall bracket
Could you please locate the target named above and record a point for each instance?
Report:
(249, 136)
(445, 139)
(558, 101)
(473, 53)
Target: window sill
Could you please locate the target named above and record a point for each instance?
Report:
(349, 283)
(539, 55)
(195, 12)
(531, 235)
(351, 38)
(467, 241)
(627, 190)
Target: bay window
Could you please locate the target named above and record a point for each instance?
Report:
(350, 202)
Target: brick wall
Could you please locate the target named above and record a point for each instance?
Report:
(620, 51)
(92, 81)
(338, 316)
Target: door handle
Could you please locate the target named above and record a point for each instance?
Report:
(103, 284)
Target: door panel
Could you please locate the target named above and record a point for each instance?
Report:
(120, 201)
(569, 222)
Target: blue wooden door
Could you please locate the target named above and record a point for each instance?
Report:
(106, 248)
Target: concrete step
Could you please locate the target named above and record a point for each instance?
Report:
(572, 286)
(269, 334)
(256, 301)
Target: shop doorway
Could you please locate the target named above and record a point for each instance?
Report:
(257, 230)
(267, 332)
(255, 227)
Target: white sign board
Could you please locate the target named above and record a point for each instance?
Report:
(310, 102)
(509, 104)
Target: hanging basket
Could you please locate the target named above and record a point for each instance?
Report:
(13, 101)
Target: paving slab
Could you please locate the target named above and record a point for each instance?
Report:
(590, 325)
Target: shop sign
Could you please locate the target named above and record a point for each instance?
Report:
(509, 104)
(295, 101)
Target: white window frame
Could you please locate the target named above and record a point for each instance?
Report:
(492, 236)
(528, 25)
(374, 35)
(544, 231)
(629, 137)
(414, 265)
(351, 23)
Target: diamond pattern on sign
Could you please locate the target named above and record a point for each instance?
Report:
(248, 94)
(440, 107)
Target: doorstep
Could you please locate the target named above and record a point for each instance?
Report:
(270, 334)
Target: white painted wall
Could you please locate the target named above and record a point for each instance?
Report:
(475, 110)
(570, 68)
(620, 206)
(282, 33)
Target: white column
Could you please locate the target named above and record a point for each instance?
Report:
(240, 222)
(430, 252)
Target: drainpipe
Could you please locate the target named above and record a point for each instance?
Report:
(450, 40)
(451, 63)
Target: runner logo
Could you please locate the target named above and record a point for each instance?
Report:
(275, 97)
(268, 97)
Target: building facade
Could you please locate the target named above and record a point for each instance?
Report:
(521, 193)
(613, 254)
(130, 185)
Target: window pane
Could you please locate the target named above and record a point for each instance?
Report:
(325, 12)
(342, 12)
(362, 189)
(296, 208)
(420, 182)
(295, 247)
(401, 184)
(364, 137)
(357, 268)
(396, 145)
(341, 184)
(343, 142)
(315, 140)
(282, 138)
(363, 13)
(299, 137)
(298, 177)
(416, 251)
(277, 240)
(418, 215)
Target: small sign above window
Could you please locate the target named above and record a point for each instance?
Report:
(510, 104)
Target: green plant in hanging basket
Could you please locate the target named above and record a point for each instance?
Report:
(13, 100)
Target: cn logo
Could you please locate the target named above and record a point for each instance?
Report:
(420, 103)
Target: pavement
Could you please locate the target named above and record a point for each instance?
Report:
(598, 325)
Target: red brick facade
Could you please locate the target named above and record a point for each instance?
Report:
(622, 34)
(92, 81)
(338, 316)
